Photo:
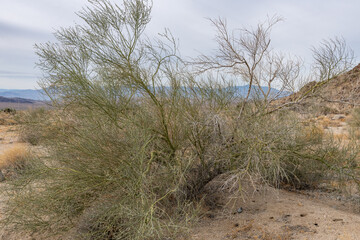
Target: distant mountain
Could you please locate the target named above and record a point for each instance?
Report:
(238, 91)
(39, 95)
(23, 93)
(241, 91)
(15, 100)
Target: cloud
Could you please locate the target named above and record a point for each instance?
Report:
(16, 75)
(8, 29)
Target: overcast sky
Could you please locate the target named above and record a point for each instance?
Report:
(24, 23)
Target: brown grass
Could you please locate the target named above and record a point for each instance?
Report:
(341, 136)
(313, 130)
(7, 119)
(14, 156)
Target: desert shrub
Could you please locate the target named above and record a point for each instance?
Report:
(354, 124)
(13, 156)
(130, 173)
(136, 136)
(278, 149)
(9, 110)
(7, 118)
(123, 141)
(14, 160)
(355, 118)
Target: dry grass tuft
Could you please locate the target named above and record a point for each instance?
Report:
(313, 130)
(324, 121)
(14, 157)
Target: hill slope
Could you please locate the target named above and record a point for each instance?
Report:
(339, 95)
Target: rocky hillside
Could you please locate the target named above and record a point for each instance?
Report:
(339, 95)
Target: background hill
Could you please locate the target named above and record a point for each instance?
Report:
(23, 93)
(39, 95)
(15, 100)
(21, 103)
(338, 95)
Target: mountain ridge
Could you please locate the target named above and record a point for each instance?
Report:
(16, 100)
(39, 95)
(32, 94)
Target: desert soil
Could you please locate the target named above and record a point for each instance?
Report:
(8, 138)
(279, 214)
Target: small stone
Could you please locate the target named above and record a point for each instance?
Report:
(337, 220)
(338, 117)
(210, 215)
(240, 210)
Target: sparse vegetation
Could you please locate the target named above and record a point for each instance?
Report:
(134, 136)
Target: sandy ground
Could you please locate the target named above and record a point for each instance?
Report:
(8, 137)
(279, 214)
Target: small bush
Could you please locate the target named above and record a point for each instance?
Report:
(14, 159)
(9, 110)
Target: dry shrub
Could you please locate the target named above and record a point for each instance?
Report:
(14, 156)
(313, 131)
(14, 159)
(324, 122)
(280, 150)
(341, 136)
(354, 120)
(7, 118)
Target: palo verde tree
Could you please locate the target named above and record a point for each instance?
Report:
(118, 125)
(132, 138)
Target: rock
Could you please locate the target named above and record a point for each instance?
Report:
(338, 117)
(240, 210)
(298, 228)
